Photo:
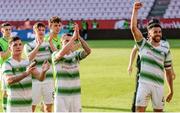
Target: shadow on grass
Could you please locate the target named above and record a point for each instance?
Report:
(107, 108)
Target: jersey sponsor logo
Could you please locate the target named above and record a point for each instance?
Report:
(69, 67)
(17, 69)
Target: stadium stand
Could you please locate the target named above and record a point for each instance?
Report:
(159, 8)
(173, 9)
(17, 10)
(106, 12)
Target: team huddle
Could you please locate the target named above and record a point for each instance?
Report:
(47, 69)
(40, 70)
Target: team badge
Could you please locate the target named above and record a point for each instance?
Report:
(17, 69)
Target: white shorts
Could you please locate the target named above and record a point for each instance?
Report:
(147, 91)
(67, 103)
(44, 91)
(19, 109)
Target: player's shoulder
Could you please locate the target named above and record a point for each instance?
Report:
(9, 61)
(164, 48)
(25, 61)
(2, 40)
(164, 45)
(31, 43)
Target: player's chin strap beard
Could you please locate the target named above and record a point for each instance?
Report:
(157, 41)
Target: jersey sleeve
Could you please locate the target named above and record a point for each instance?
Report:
(168, 61)
(140, 44)
(7, 69)
(80, 55)
(27, 49)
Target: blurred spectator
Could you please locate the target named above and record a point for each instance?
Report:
(70, 26)
(27, 24)
(84, 25)
(122, 24)
(95, 24)
(126, 24)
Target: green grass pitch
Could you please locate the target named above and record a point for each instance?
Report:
(106, 85)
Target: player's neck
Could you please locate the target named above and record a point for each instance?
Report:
(55, 36)
(39, 39)
(155, 44)
(7, 37)
(17, 57)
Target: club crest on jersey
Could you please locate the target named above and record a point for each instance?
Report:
(17, 69)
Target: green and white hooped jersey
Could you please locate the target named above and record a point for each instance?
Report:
(165, 44)
(20, 93)
(67, 75)
(43, 54)
(153, 62)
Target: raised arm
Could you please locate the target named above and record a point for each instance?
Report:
(33, 53)
(67, 47)
(84, 44)
(131, 59)
(134, 29)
